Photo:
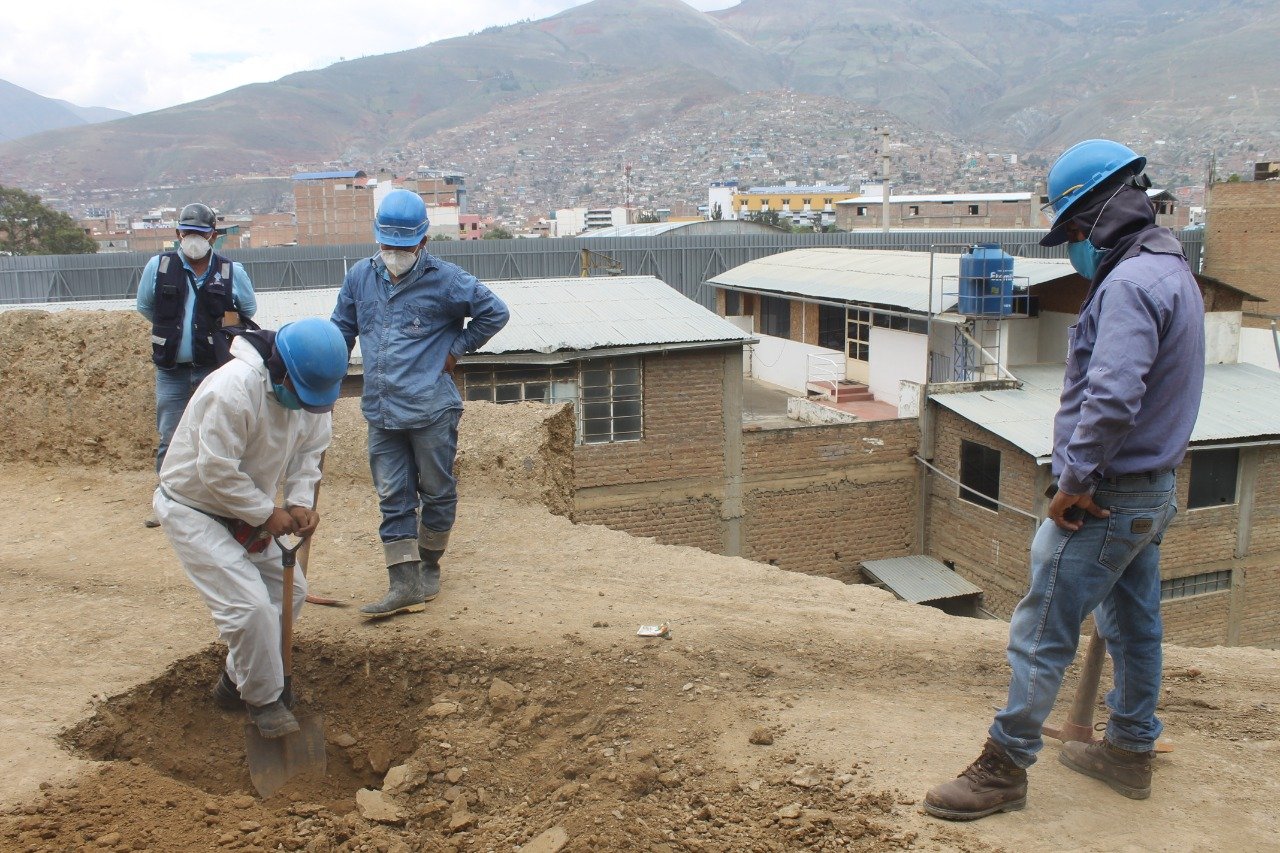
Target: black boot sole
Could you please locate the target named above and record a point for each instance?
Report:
(949, 814)
(1118, 787)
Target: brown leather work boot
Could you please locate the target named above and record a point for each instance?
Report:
(1125, 771)
(990, 784)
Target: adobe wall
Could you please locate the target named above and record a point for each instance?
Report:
(1242, 241)
(813, 499)
(992, 548)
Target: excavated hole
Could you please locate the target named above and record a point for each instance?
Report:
(372, 696)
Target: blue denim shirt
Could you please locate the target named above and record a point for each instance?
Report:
(407, 329)
(241, 294)
(1135, 371)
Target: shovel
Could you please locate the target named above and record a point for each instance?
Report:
(274, 761)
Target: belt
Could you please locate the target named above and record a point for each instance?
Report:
(221, 519)
(1150, 476)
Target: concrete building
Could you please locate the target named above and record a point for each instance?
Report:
(796, 203)
(847, 321)
(605, 217)
(951, 210)
(439, 188)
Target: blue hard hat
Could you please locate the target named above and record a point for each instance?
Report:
(401, 219)
(315, 355)
(1082, 168)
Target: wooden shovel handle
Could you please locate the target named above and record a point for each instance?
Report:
(286, 620)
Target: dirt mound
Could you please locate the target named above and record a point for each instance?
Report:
(522, 451)
(480, 749)
(77, 387)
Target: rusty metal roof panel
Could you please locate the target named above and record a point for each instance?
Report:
(918, 579)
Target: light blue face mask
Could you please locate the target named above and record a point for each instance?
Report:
(1085, 257)
(286, 397)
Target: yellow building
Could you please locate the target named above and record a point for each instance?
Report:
(794, 201)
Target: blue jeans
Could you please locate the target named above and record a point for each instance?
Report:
(174, 387)
(413, 469)
(1109, 567)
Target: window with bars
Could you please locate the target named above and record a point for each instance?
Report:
(859, 334)
(612, 402)
(1195, 585)
(979, 474)
(775, 316)
(519, 383)
(1213, 477)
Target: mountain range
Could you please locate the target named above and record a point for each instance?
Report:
(1183, 80)
(26, 113)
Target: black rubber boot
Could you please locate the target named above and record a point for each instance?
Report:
(225, 694)
(429, 573)
(227, 697)
(404, 592)
(273, 719)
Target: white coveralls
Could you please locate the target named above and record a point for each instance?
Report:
(233, 449)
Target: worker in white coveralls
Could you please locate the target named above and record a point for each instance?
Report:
(258, 424)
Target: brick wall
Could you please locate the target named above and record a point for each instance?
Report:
(992, 549)
(814, 499)
(1200, 620)
(821, 499)
(1242, 240)
(989, 548)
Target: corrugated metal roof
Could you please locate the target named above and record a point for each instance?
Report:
(682, 229)
(941, 197)
(557, 314)
(816, 189)
(548, 315)
(1238, 403)
(324, 176)
(918, 579)
(871, 276)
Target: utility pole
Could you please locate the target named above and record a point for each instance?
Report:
(884, 180)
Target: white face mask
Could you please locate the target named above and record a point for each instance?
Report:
(398, 262)
(194, 246)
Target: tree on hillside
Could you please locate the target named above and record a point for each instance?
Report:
(28, 227)
(498, 233)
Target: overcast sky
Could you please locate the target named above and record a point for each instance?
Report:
(142, 55)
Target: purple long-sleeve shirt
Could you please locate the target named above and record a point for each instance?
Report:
(1135, 370)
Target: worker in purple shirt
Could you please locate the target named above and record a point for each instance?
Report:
(1134, 373)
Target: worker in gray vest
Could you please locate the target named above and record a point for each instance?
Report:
(189, 295)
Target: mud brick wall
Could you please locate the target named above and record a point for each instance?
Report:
(683, 427)
(820, 499)
(1200, 620)
(989, 548)
(1242, 241)
(690, 521)
(670, 484)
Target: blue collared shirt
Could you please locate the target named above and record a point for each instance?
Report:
(407, 330)
(241, 295)
(1135, 371)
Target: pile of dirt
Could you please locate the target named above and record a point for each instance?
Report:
(78, 388)
(488, 748)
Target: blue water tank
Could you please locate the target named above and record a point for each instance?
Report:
(986, 281)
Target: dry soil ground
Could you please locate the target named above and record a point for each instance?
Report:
(520, 710)
(522, 702)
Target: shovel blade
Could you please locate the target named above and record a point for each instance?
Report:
(274, 761)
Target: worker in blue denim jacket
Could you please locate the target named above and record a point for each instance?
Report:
(408, 309)
(1130, 397)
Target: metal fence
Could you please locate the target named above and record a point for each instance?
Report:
(685, 263)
